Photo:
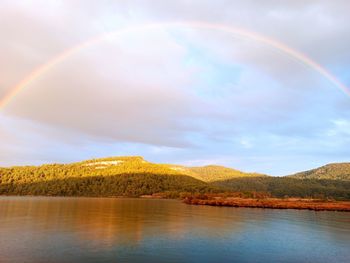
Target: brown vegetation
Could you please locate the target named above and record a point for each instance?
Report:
(268, 202)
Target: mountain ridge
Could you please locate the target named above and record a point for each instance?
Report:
(207, 173)
(134, 176)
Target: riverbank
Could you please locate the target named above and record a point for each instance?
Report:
(272, 203)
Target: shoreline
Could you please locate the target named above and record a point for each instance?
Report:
(273, 203)
(235, 202)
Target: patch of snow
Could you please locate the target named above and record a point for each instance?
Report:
(104, 163)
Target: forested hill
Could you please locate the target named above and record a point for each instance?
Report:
(117, 176)
(333, 171)
(212, 173)
(134, 176)
(115, 166)
(131, 176)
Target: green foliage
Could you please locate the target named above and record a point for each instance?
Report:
(118, 185)
(286, 186)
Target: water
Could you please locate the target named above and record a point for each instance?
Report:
(39, 229)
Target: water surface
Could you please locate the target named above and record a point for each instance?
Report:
(42, 229)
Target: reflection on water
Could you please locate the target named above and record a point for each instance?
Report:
(39, 229)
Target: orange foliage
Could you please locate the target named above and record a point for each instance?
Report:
(267, 202)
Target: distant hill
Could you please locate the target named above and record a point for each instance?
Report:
(212, 173)
(333, 171)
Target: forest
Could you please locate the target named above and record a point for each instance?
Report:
(289, 187)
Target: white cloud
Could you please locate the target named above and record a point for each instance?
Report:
(137, 93)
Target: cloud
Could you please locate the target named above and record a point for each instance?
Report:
(175, 94)
(118, 93)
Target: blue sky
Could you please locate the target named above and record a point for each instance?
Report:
(180, 95)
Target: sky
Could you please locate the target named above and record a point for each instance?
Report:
(175, 94)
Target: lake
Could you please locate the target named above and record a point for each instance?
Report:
(58, 229)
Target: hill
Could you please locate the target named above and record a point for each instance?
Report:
(134, 176)
(129, 176)
(212, 173)
(333, 171)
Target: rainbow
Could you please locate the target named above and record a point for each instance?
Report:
(42, 69)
